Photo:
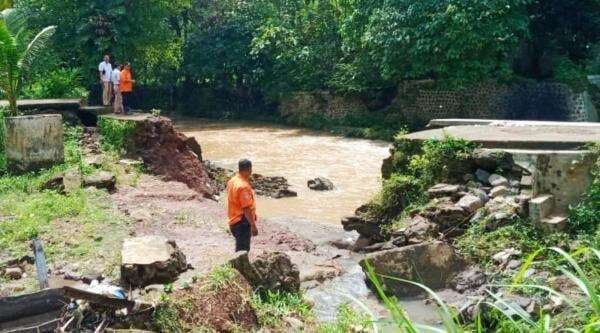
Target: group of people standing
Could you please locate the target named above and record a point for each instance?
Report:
(117, 83)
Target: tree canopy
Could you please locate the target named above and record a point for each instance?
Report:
(277, 46)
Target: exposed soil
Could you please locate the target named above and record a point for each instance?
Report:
(226, 309)
(168, 153)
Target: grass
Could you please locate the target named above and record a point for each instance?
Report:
(115, 134)
(347, 320)
(582, 305)
(76, 227)
(220, 277)
(272, 307)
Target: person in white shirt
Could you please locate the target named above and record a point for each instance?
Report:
(105, 72)
(116, 81)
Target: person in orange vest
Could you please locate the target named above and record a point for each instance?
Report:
(241, 207)
(126, 87)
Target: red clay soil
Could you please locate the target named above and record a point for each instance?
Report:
(227, 309)
(167, 153)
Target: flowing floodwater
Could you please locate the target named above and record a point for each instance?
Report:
(353, 165)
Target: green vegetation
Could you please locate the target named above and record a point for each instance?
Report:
(115, 134)
(17, 55)
(348, 320)
(579, 294)
(239, 59)
(273, 306)
(28, 211)
(584, 217)
(415, 169)
(220, 277)
(60, 83)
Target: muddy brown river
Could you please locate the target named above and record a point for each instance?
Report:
(353, 165)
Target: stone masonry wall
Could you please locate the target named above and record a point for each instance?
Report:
(421, 101)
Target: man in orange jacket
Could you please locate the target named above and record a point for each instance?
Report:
(127, 86)
(241, 207)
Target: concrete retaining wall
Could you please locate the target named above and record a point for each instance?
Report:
(34, 142)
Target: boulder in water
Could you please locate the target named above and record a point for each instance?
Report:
(433, 264)
(320, 184)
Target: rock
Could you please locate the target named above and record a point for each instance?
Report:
(445, 214)
(295, 324)
(432, 264)
(526, 181)
(444, 190)
(194, 146)
(343, 244)
(469, 279)
(154, 288)
(493, 159)
(71, 275)
(381, 246)
(514, 264)
(366, 225)
(420, 229)
(91, 276)
(101, 180)
(480, 194)
(150, 259)
(482, 175)
(270, 270)
(497, 180)
(94, 161)
(361, 243)
(72, 181)
(13, 273)
(285, 193)
(502, 257)
(470, 203)
(320, 184)
(320, 273)
(498, 191)
(55, 183)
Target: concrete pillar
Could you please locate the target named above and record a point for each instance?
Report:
(33, 142)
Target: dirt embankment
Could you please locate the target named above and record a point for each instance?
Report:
(171, 155)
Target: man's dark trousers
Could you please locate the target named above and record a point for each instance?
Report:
(242, 234)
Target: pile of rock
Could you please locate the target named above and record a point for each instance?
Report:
(496, 191)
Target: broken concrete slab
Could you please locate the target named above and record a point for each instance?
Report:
(149, 260)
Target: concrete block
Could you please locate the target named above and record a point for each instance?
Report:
(540, 207)
(33, 142)
(554, 223)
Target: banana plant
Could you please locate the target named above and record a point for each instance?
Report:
(18, 54)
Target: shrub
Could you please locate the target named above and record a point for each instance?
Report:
(60, 83)
(398, 192)
(115, 134)
(442, 160)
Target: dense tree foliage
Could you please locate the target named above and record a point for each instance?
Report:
(277, 46)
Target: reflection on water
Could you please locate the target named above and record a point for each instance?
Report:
(353, 165)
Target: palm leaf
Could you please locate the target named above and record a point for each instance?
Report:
(38, 44)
